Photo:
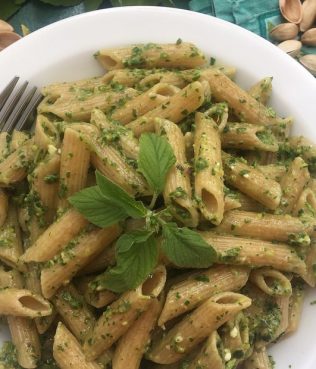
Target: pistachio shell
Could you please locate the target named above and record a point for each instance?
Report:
(284, 31)
(7, 38)
(5, 27)
(309, 37)
(309, 62)
(291, 47)
(291, 10)
(309, 15)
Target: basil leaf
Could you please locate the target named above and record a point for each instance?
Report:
(137, 256)
(94, 207)
(186, 248)
(92, 4)
(117, 196)
(155, 159)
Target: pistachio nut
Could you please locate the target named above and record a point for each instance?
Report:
(291, 47)
(309, 37)
(309, 62)
(284, 31)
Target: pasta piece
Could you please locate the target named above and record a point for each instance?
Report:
(143, 103)
(181, 55)
(4, 205)
(244, 136)
(174, 109)
(74, 256)
(185, 295)
(46, 133)
(11, 241)
(134, 343)
(110, 131)
(261, 91)
(249, 204)
(244, 251)
(23, 330)
(306, 203)
(235, 338)
(305, 148)
(121, 314)
(273, 171)
(17, 139)
(230, 203)
(45, 184)
(14, 167)
(219, 113)
(258, 360)
(74, 165)
(310, 260)
(208, 182)
(251, 181)
(77, 103)
(295, 307)
(20, 302)
(4, 145)
(244, 105)
(68, 352)
(177, 191)
(211, 354)
(95, 298)
(106, 258)
(272, 282)
(55, 237)
(283, 304)
(179, 78)
(292, 184)
(74, 311)
(195, 327)
(263, 226)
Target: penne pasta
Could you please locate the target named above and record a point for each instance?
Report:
(261, 91)
(181, 55)
(4, 205)
(272, 282)
(24, 303)
(78, 253)
(244, 136)
(295, 306)
(11, 241)
(74, 165)
(292, 184)
(112, 131)
(68, 352)
(211, 354)
(74, 311)
(178, 192)
(46, 134)
(195, 327)
(244, 251)
(121, 315)
(244, 105)
(191, 97)
(141, 104)
(251, 182)
(189, 293)
(55, 237)
(14, 167)
(264, 226)
(135, 342)
(258, 360)
(208, 181)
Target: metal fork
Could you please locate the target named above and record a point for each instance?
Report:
(16, 105)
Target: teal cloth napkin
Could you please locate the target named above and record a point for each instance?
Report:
(257, 16)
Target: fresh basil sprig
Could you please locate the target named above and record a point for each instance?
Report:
(137, 251)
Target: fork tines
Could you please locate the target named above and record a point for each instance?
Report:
(16, 105)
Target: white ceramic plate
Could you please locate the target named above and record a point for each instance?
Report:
(63, 51)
